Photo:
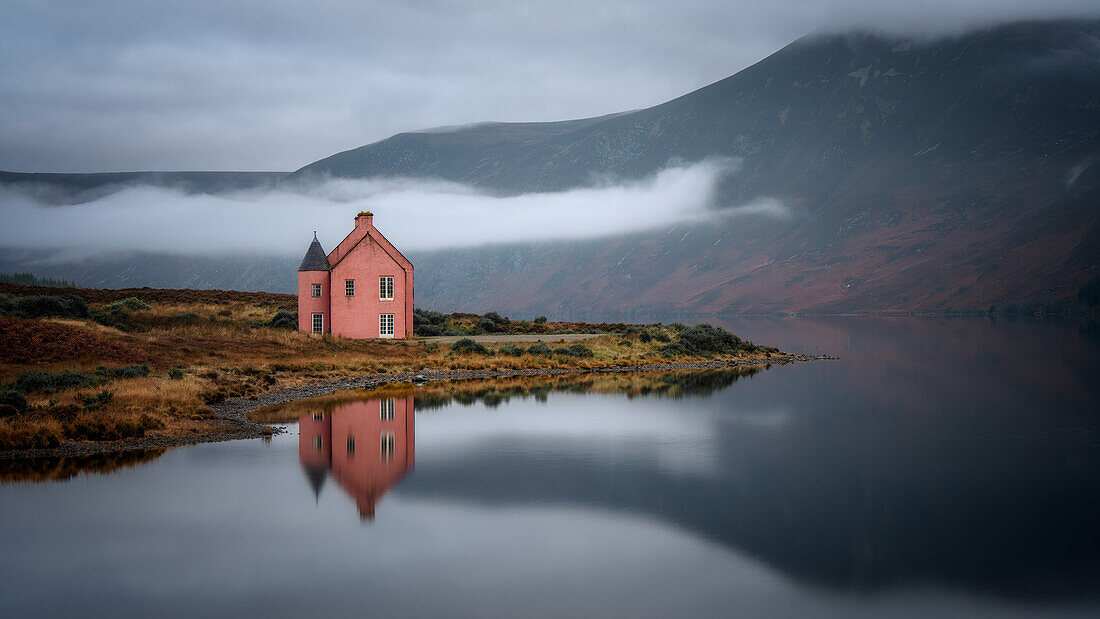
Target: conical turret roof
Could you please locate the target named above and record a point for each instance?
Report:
(315, 258)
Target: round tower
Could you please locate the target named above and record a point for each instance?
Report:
(314, 308)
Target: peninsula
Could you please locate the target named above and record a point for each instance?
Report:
(91, 370)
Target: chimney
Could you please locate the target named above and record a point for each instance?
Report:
(364, 219)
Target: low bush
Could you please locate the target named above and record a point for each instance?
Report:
(184, 316)
(95, 401)
(487, 325)
(284, 319)
(511, 350)
(129, 303)
(427, 330)
(576, 350)
(129, 371)
(540, 348)
(540, 320)
(66, 306)
(705, 340)
(13, 399)
(497, 318)
(49, 382)
(466, 345)
(644, 337)
(625, 343)
(175, 373)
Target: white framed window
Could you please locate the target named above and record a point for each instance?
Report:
(351, 444)
(316, 290)
(318, 416)
(349, 287)
(318, 443)
(385, 408)
(385, 325)
(318, 323)
(388, 444)
(385, 288)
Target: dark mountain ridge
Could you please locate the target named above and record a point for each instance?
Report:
(78, 188)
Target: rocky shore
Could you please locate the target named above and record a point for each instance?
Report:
(232, 413)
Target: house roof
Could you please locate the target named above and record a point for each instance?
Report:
(315, 258)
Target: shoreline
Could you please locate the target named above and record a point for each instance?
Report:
(232, 412)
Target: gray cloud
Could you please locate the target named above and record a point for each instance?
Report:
(414, 214)
(209, 84)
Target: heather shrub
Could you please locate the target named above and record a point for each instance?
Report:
(49, 382)
(13, 399)
(540, 348)
(67, 306)
(511, 350)
(129, 303)
(129, 371)
(704, 340)
(466, 345)
(497, 318)
(644, 337)
(625, 343)
(576, 350)
(284, 319)
(427, 330)
(540, 320)
(175, 374)
(96, 401)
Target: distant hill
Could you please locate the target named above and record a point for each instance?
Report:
(56, 188)
(922, 175)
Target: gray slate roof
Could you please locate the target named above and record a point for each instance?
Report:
(315, 258)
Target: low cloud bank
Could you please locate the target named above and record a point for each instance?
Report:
(414, 214)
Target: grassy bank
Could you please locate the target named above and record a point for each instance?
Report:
(95, 366)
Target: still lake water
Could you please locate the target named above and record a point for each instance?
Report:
(941, 467)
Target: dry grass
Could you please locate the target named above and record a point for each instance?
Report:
(223, 351)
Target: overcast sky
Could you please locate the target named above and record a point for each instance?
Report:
(274, 85)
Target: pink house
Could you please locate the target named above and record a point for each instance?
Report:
(363, 289)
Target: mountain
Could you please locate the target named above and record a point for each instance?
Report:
(924, 175)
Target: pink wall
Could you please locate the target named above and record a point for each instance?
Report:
(309, 305)
(364, 256)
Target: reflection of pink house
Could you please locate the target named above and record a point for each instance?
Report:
(368, 445)
(373, 295)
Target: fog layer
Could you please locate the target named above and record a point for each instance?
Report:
(413, 214)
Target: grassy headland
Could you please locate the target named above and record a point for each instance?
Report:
(111, 366)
